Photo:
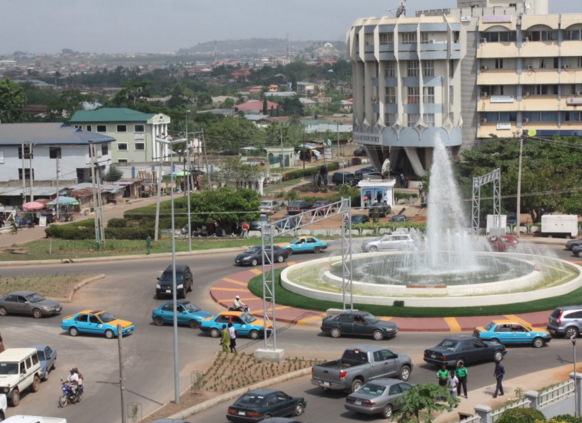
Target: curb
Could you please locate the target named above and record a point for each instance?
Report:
(235, 394)
(80, 285)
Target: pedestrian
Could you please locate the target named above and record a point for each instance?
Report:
(453, 386)
(498, 373)
(402, 180)
(443, 375)
(232, 334)
(420, 190)
(245, 230)
(225, 339)
(14, 228)
(1, 344)
(462, 373)
(407, 181)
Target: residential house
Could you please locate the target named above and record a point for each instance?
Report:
(134, 132)
(255, 107)
(306, 88)
(308, 104)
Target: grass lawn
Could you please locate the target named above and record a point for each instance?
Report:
(288, 298)
(52, 286)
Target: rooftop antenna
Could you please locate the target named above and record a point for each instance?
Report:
(287, 48)
(401, 9)
(215, 52)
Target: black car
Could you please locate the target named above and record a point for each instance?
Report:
(381, 209)
(360, 172)
(254, 255)
(257, 225)
(289, 222)
(399, 218)
(324, 207)
(340, 178)
(184, 281)
(259, 404)
(298, 206)
(359, 323)
(360, 151)
(359, 218)
(466, 349)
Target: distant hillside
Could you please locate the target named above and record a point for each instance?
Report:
(264, 46)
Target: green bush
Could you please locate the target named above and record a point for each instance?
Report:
(117, 223)
(128, 233)
(565, 418)
(392, 226)
(310, 171)
(521, 415)
(70, 232)
(404, 195)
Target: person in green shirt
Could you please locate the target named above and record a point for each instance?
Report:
(443, 375)
(461, 373)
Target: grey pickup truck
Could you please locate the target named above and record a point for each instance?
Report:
(359, 365)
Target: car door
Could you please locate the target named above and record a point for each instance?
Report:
(477, 350)
(23, 306)
(94, 325)
(240, 326)
(346, 323)
(310, 244)
(388, 362)
(48, 357)
(167, 312)
(285, 405)
(386, 243)
(81, 322)
(11, 304)
(362, 326)
(183, 317)
(404, 387)
(503, 333)
(271, 406)
(519, 334)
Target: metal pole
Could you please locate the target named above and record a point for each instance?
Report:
(57, 207)
(282, 157)
(23, 174)
(31, 170)
(97, 231)
(174, 293)
(338, 144)
(188, 183)
(576, 405)
(121, 388)
(518, 211)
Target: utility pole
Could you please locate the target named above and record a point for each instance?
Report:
(159, 192)
(57, 198)
(23, 173)
(518, 211)
(338, 144)
(282, 157)
(206, 162)
(100, 202)
(121, 388)
(188, 183)
(30, 171)
(97, 231)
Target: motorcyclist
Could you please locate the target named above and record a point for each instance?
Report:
(239, 305)
(76, 381)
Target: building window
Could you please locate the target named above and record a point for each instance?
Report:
(28, 152)
(428, 119)
(140, 146)
(104, 150)
(101, 128)
(498, 63)
(407, 38)
(574, 35)
(542, 90)
(428, 95)
(413, 119)
(55, 152)
(121, 160)
(540, 36)
(413, 95)
(572, 116)
(386, 38)
(390, 119)
(427, 68)
(498, 37)
(390, 95)
(412, 68)
(89, 127)
(121, 128)
(424, 37)
(390, 71)
(139, 128)
(122, 146)
(540, 116)
(456, 36)
(26, 173)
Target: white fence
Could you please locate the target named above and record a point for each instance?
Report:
(556, 393)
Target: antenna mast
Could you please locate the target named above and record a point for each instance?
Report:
(401, 9)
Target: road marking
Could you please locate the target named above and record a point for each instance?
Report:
(256, 271)
(518, 319)
(229, 280)
(216, 288)
(291, 263)
(306, 320)
(454, 325)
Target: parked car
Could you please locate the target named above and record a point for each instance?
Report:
(467, 349)
(244, 323)
(399, 218)
(372, 175)
(4, 406)
(503, 243)
(188, 314)
(360, 151)
(573, 242)
(269, 206)
(512, 332)
(358, 323)
(254, 255)
(257, 225)
(340, 178)
(381, 209)
(96, 322)
(321, 207)
(360, 172)
(359, 365)
(19, 371)
(287, 223)
(298, 206)
(264, 403)
(26, 302)
(304, 244)
(577, 249)
(47, 357)
(357, 219)
(378, 397)
(389, 242)
(184, 281)
(566, 321)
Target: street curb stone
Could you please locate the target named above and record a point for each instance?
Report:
(80, 285)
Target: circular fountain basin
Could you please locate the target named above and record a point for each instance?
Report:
(535, 278)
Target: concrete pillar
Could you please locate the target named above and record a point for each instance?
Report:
(484, 413)
(534, 398)
(578, 380)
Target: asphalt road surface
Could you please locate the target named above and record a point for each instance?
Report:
(128, 292)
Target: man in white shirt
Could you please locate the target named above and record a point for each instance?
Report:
(232, 334)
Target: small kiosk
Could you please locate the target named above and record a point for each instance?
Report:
(376, 190)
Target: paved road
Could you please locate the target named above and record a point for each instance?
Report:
(128, 291)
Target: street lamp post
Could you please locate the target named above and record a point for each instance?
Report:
(518, 211)
(189, 176)
(174, 293)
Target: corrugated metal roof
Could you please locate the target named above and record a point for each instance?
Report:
(52, 133)
(37, 191)
(110, 114)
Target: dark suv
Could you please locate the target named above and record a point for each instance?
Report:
(381, 209)
(566, 321)
(340, 178)
(184, 281)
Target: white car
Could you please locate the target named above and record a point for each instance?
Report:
(19, 370)
(3, 406)
(389, 242)
(269, 206)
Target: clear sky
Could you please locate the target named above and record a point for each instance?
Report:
(114, 26)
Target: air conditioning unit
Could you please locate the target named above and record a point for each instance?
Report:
(483, 40)
(483, 120)
(566, 66)
(526, 94)
(530, 67)
(484, 67)
(484, 94)
(431, 41)
(525, 120)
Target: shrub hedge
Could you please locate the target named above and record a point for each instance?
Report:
(301, 173)
(521, 415)
(117, 223)
(393, 226)
(80, 232)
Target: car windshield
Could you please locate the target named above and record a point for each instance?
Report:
(370, 318)
(489, 326)
(8, 368)
(255, 249)
(448, 344)
(250, 400)
(295, 241)
(106, 317)
(248, 318)
(35, 298)
(191, 307)
(372, 389)
(167, 276)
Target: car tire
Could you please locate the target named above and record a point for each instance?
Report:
(159, 321)
(3, 311)
(571, 332)
(373, 249)
(254, 334)
(73, 331)
(254, 262)
(35, 386)
(36, 313)
(335, 332)
(378, 335)
(280, 259)
(214, 333)
(538, 342)
(46, 375)
(194, 324)
(356, 384)
(299, 409)
(498, 356)
(182, 293)
(15, 400)
(387, 411)
(317, 250)
(404, 373)
(290, 251)
(109, 334)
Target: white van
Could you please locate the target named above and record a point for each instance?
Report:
(19, 370)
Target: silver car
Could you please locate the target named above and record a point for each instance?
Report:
(378, 397)
(389, 242)
(269, 206)
(28, 303)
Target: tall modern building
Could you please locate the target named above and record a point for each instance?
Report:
(488, 68)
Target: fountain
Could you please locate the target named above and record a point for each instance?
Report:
(448, 263)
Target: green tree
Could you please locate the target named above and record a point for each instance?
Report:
(12, 102)
(181, 97)
(113, 174)
(521, 415)
(132, 94)
(226, 205)
(419, 403)
(66, 104)
(236, 171)
(233, 133)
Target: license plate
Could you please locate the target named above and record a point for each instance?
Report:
(241, 413)
(168, 291)
(433, 356)
(325, 384)
(358, 402)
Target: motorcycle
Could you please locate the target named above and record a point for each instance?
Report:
(68, 395)
(245, 309)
